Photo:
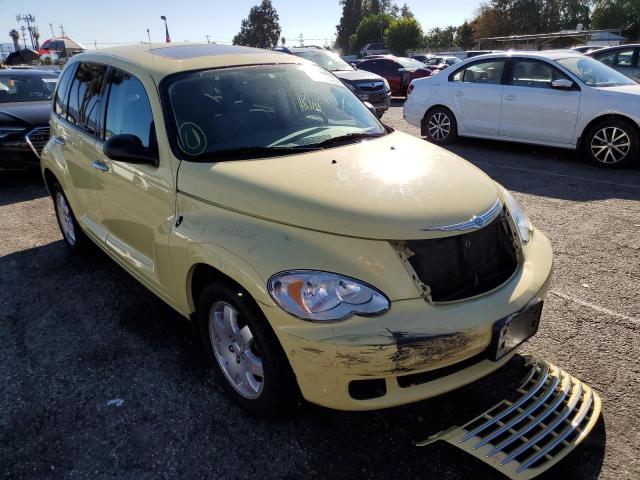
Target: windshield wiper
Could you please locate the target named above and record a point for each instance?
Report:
(349, 137)
(241, 153)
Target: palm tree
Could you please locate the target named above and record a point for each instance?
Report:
(36, 37)
(15, 36)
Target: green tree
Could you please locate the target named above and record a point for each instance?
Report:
(261, 28)
(351, 18)
(465, 38)
(371, 30)
(405, 12)
(403, 34)
(624, 14)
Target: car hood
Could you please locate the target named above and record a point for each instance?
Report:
(25, 113)
(626, 89)
(356, 75)
(387, 188)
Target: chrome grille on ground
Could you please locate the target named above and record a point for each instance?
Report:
(522, 439)
(37, 139)
(463, 266)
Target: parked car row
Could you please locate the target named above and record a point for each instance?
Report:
(25, 108)
(557, 98)
(624, 58)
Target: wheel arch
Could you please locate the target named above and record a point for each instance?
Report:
(49, 179)
(600, 118)
(429, 110)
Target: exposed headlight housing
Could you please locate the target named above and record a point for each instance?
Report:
(325, 297)
(521, 219)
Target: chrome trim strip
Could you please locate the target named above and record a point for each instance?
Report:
(28, 140)
(474, 223)
(575, 423)
(544, 375)
(522, 415)
(549, 428)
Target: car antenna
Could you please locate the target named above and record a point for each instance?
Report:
(153, 60)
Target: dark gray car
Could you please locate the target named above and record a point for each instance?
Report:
(25, 107)
(624, 58)
(369, 87)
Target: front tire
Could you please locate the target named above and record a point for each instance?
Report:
(73, 236)
(244, 352)
(612, 143)
(439, 126)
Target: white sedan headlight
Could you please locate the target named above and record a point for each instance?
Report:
(521, 219)
(325, 297)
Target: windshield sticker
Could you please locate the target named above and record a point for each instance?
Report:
(192, 139)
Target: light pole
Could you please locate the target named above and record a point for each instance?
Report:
(166, 29)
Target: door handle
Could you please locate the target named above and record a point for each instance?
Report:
(510, 98)
(459, 93)
(60, 140)
(98, 165)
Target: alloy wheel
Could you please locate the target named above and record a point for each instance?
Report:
(65, 218)
(610, 145)
(235, 350)
(439, 126)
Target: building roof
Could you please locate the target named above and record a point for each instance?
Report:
(161, 59)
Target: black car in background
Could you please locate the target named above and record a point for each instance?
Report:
(369, 87)
(25, 107)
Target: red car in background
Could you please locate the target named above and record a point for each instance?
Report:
(398, 71)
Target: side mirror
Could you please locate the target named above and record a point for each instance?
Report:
(562, 83)
(129, 148)
(371, 108)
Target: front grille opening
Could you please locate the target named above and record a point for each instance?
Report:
(463, 266)
(367, 389)
(406, 381)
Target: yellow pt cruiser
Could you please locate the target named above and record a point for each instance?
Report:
(316, 249)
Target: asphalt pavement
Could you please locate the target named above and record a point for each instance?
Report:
(100, 379)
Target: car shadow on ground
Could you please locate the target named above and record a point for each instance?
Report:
(21, 186)
(80, 332)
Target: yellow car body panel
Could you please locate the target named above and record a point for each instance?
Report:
(253, 219)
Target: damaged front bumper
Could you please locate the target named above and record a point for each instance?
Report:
(414, 351)
(553, 415)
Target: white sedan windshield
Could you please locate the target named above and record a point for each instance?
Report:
(594, 73)
(264, 107)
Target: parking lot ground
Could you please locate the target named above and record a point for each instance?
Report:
(98, 378)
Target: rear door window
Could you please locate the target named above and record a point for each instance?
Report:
(62, 93)
(488, 72)
(85, 95)
(128, 109)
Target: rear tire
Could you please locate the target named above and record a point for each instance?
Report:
(611, 143)
(439, 126)
(245, 353)
(74, 238)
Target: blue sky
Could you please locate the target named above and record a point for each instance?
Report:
(110, 21)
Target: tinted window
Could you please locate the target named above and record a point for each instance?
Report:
(488, 72)
(608, 58)
(530, 73)
(128, 109)
(84, 96)
(62, 94)
(625, 58)
(17, 87)
(370, 66)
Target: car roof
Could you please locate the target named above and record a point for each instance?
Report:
(543, 54)
(161, 59)
(27, 72)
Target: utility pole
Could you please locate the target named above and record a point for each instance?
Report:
(62, 30)
(301, 40)
(24, 36)
(95, 45)
(208, 41)
(53, 34)
(167, 38)
(29, 19)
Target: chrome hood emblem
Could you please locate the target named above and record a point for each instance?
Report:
(474, 223)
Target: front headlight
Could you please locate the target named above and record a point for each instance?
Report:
(325, 297)
(521, 219)
(6, 131)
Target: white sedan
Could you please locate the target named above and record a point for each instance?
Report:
(557, 98)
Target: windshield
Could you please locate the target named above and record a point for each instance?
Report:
(275, 107)
(26, 88)
(594, 73)
(328, 60)
(410, 63)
